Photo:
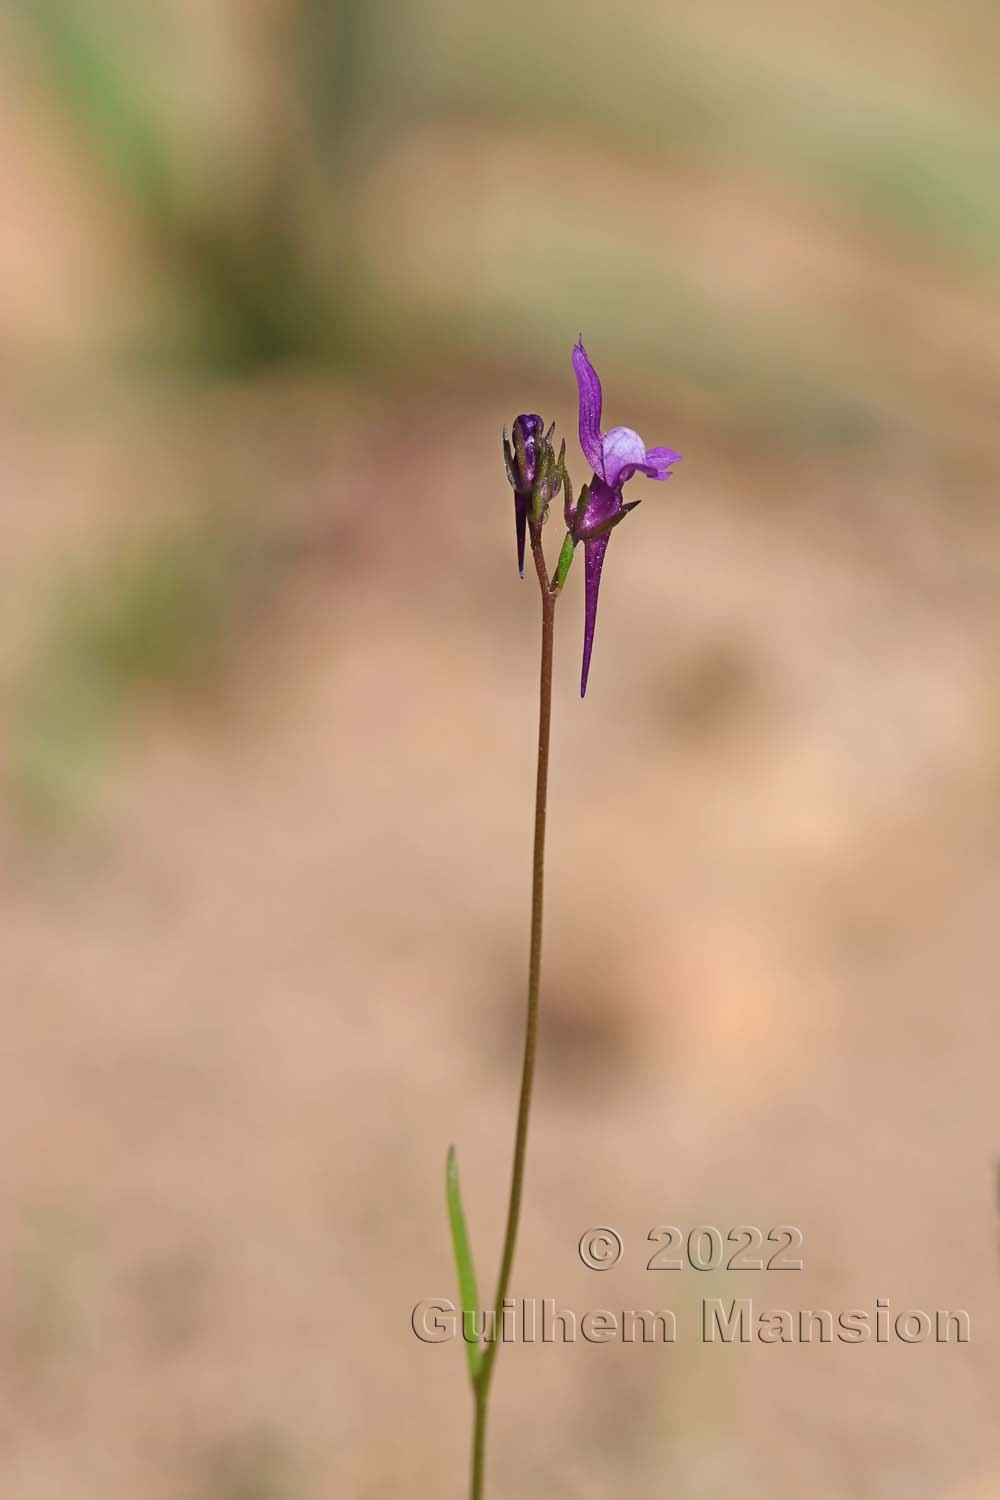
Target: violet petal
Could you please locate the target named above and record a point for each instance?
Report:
(591, 400)
(657, 465)
(622, 447)
(662, 459)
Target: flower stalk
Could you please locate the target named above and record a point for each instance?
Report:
(481, 1383)
(537, 474)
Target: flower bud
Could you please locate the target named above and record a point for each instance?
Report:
(526, 431)
(534, 471)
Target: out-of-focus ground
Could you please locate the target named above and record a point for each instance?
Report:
(271, 278)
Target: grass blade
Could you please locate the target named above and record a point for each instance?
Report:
(463, 1259)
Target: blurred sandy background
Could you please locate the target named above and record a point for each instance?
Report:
(272, 276)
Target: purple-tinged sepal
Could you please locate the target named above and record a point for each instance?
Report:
(550, 471)
(508, 458)
(571, 511)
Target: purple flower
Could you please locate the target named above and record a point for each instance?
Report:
(614, 457)
(534, 472)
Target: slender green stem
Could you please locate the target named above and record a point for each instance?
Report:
(479, 1442)
(482, 1385)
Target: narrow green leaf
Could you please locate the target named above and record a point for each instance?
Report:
(565, 558)
(468, 1294)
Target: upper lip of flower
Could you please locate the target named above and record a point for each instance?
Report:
(619, 453)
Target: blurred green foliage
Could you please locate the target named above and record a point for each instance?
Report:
(248, 296)
(158, 616)
(277, 269)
